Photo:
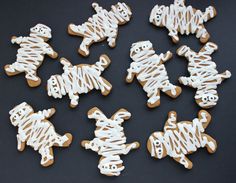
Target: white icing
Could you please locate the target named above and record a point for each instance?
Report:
(102, 25)
(150, 69)
(203, 74)
(31, 52)
(35, 130)
(180, 18)
(110, 142)
(78, 79)
(180, 139)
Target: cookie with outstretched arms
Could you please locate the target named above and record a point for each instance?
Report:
(102, 25)
(179, 18)
(35, 130)
(182, 138)
(31, 54)
(110, 141)
(203, 74)
(79, 79)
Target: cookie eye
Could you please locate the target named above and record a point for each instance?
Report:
(157, 143)
(144, 47)
(113, 167)
(137, 50)
(123, 13)
(158, 17)
(119, 8)
(205, 99)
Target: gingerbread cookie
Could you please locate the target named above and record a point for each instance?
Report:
(31, 54)
(150, 71)
(36, 131)
(110, 141)
(79, 79)
(178, 18)
(203, 74)
(102, 25)
(182, 138)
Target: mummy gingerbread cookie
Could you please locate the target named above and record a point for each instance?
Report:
(203, 74)
(178, 18)
(31, 54)
(79, 79)
(36, 131)
(102, 25)
(110, 141)
(150, 71)
(181, 139)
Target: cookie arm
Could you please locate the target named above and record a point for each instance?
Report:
(47, 113)
(20, 143)
(209, 48)
(171, 121)
(167, 56)
(17, 40)
(66, 63)
(179, 2)
(96, 113)
(130, 75)
(183, 160)
(121, 114)
(204, 117)
(187, 81)
(51, 53)
(96, 7)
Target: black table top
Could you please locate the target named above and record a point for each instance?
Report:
(74, 164)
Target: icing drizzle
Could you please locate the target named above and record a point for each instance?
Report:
(35, 130)
(102, 25)
(78, 79)
(180, 139)
(31, 52)
(150, 70)
(180, 18)
(110, 141)
(203, 74)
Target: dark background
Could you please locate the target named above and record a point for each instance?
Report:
(76, 165)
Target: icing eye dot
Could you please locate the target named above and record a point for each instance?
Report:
(113, 167)
(144, 46)
(204, 99)
(119, 8)
(123, 13)
(137, 50)
(158, 17)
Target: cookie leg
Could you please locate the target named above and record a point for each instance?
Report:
(225, 75)
(10, 70)
(32, 79)
(183, 160)
(63, 141)
(211, 144)
(84, 46)
(47, 158)
(20, 144)
(202, 34)
(74, 100)
(174, 35)
(174, 92)
(129, 147)
(106, 87)
(154, 99)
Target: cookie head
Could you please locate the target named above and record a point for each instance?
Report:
(207, 100)
(111, 165)
(156, 146)
(157, 15)
(140, 48)
(122, 12)
(19, 113)
(42, 31)
(53, 87)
